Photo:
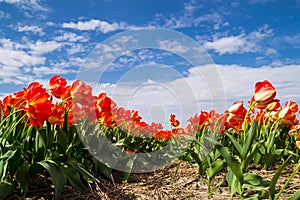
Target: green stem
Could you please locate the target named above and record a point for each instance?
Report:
(271, 135)
(288, 181)
(8, 116)
(176, 172)
(245, 123)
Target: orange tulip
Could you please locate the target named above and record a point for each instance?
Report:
(274, 105)
(297, 143)
(4, 110)
(57, 85)
(80, 92)
(292, 105)
(37, 105)
(57, 114)
(14, 101)
(264, 93)
(174, 122)
(237, 111)
(66, 93)
(286, 115)
(135, 116)
(163, 134)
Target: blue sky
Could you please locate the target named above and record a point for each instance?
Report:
(248, 41)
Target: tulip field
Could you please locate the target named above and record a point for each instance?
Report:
(42, 129)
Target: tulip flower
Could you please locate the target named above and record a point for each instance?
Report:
(297, 143)
(56, 115)
(264, 93)
(237, 111)
(292, 105)
(274, 105)
(80, 92)
(37, 105)
(163, 134)
(286, 115)
(174, 122)
(57, 85)
(135, 116)
(66, 93)
(4, 111)
(14, 101)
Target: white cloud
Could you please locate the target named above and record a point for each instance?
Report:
(95, 24)
(178, 96)
(189, 16)
(45, 70)
(12, 55)
(33, 29)
(231, 44)
(173, 46)
(26, 4)
(241, 43)
(72, 37)
(19, 60)
(41, 47)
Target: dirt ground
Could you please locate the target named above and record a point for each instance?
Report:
(161, 184)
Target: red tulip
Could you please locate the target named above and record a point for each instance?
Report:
(4, 110)
(56, 115)
(37, 105)
(135, 116)
(237, 111)
(163, 134)
(264, 93)
(103, 103)
(66, 93)
(57, 85)
(292, 105)
(174, 122)
(286, 115)
(80, 92)
(274, 105)
(14, 101)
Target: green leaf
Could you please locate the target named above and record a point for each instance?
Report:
(275, 178)
(252, 154)
(101, 168)
(6, 189)
(256, 159)
(215, 168)
(195, 156)
(270, 159)
(23, 177)
(295, 196)
(233, 183)
(255, 182)
(40, 147)
(62, 140)
(252, 197)
(249, 140)
(234, 165)
(237, 145)
(128, 168)
(2, 169)
(58, 176)
(9, 154)
(82, 170)
(74, 179)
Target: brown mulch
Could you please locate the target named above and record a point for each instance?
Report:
(161, 184)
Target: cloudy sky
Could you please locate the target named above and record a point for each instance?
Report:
(242, 42)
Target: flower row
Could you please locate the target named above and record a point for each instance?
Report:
(77, 102)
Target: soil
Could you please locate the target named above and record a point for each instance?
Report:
(161, 184)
